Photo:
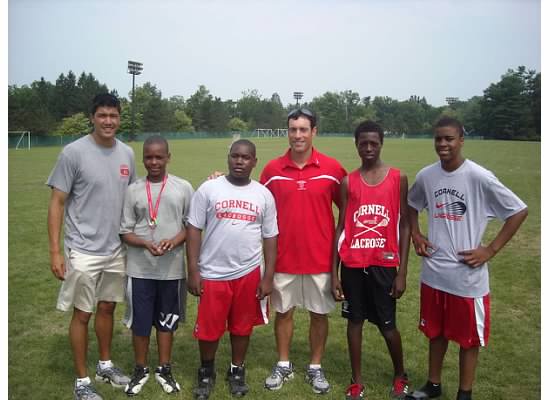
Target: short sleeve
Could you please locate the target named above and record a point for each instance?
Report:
(63, 173)
(417, 195)
(269, 225)
(188, 195)
(500, 202)
(197, 209)
(128, 220)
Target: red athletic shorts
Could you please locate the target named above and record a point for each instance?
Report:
(465, 320)
(230, 305)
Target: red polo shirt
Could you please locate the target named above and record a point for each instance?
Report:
(304, 200)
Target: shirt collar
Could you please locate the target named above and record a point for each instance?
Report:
(313, 159)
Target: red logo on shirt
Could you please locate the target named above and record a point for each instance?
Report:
(124, 170)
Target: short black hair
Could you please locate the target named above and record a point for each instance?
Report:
(105, 100)
(303, 112)
(445, 121)
(156, 139)
(369, 126)
(244, 142)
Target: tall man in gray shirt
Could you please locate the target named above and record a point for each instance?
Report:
(88, 185)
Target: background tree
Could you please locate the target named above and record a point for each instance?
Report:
(78, 123)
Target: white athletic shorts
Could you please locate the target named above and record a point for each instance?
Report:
(309, 291)
(89, 279)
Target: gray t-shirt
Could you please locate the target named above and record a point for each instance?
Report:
(459, 205)
(95, 179)
(234, 220)
(173, 207)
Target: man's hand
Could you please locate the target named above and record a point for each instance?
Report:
(336, 288)
(58, 265)
(264, 288)
(422, 245)
(398, 287)
(153, 248)
(215, 174)
(477, 257)
(194, 284)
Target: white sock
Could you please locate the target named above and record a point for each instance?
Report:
(285, 364)
(314, 366)
(83, 381)
(105, 364)
(233, 366)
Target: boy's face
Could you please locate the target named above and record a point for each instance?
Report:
(300, 134)
(448, 143)
(241, 161)
(155, 158)
(369, 146)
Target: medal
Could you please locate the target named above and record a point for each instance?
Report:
(153, 212)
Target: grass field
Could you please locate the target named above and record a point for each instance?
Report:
(40, 363)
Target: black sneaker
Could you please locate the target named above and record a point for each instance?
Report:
(206, 379)
(428, 391)
(236, 379)
(138, 379)
(163, 375)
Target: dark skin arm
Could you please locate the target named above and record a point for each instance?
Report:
(476, 257)
(194, 281)
(55, 222)
(270, 256)
(420, 242)
(337, 291)
(400, 281)
(134, 240)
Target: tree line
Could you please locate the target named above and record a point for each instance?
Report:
(509, 109)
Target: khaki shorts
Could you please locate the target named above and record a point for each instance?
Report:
(89, 279)
(309, 291)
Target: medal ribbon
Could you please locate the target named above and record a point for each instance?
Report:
(153, 212)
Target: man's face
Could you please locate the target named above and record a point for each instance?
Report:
(448, 143)
(300, 134)
(241, 161)
(155, 158)
(369, 146)
(106, 121)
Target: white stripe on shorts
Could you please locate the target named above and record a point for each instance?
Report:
(263, 308)
(480, 319)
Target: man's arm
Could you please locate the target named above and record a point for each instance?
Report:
(194, 284)
(477, 257)
(336, 285)
(55, 221)
(400, 282)
(270, 257)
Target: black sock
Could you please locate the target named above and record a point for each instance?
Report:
(432, 389)
(208, 365)
(464, 395)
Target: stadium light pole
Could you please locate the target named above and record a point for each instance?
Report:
(298, 96)
(134, 68)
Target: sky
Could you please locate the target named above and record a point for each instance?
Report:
(399, 48)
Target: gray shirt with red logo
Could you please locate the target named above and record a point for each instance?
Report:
(459, 206)
(95, 179)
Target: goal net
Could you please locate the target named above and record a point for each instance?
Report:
(278, 132)
(23, 139)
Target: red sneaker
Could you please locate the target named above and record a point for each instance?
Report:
(400, 387)
(355, 391)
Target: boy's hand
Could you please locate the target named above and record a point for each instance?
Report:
(422, 245)
(153, 249)
(166, 245)
(336, 288)
(264, 288)
(477, 257)
(194, 284)
(398, 287)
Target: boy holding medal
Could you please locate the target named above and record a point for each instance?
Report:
(153, 228)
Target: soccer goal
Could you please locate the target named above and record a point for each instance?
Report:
(278, 132)
(24, 139)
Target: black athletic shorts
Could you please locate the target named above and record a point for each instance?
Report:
(367, 293)
(156, 303)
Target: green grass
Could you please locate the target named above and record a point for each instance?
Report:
(40, 362)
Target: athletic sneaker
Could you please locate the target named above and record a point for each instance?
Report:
(205, 383)
(163, 375)
(316, 378)
(400, 387)
(139, 377)
(355, 391)
(236, 379)
(111, 375)
(86, 392)
(279, 375)
(428, 391)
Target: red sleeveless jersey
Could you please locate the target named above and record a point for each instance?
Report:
(371, 226)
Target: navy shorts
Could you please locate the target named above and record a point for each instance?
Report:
(367, 293)
(155, 302)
